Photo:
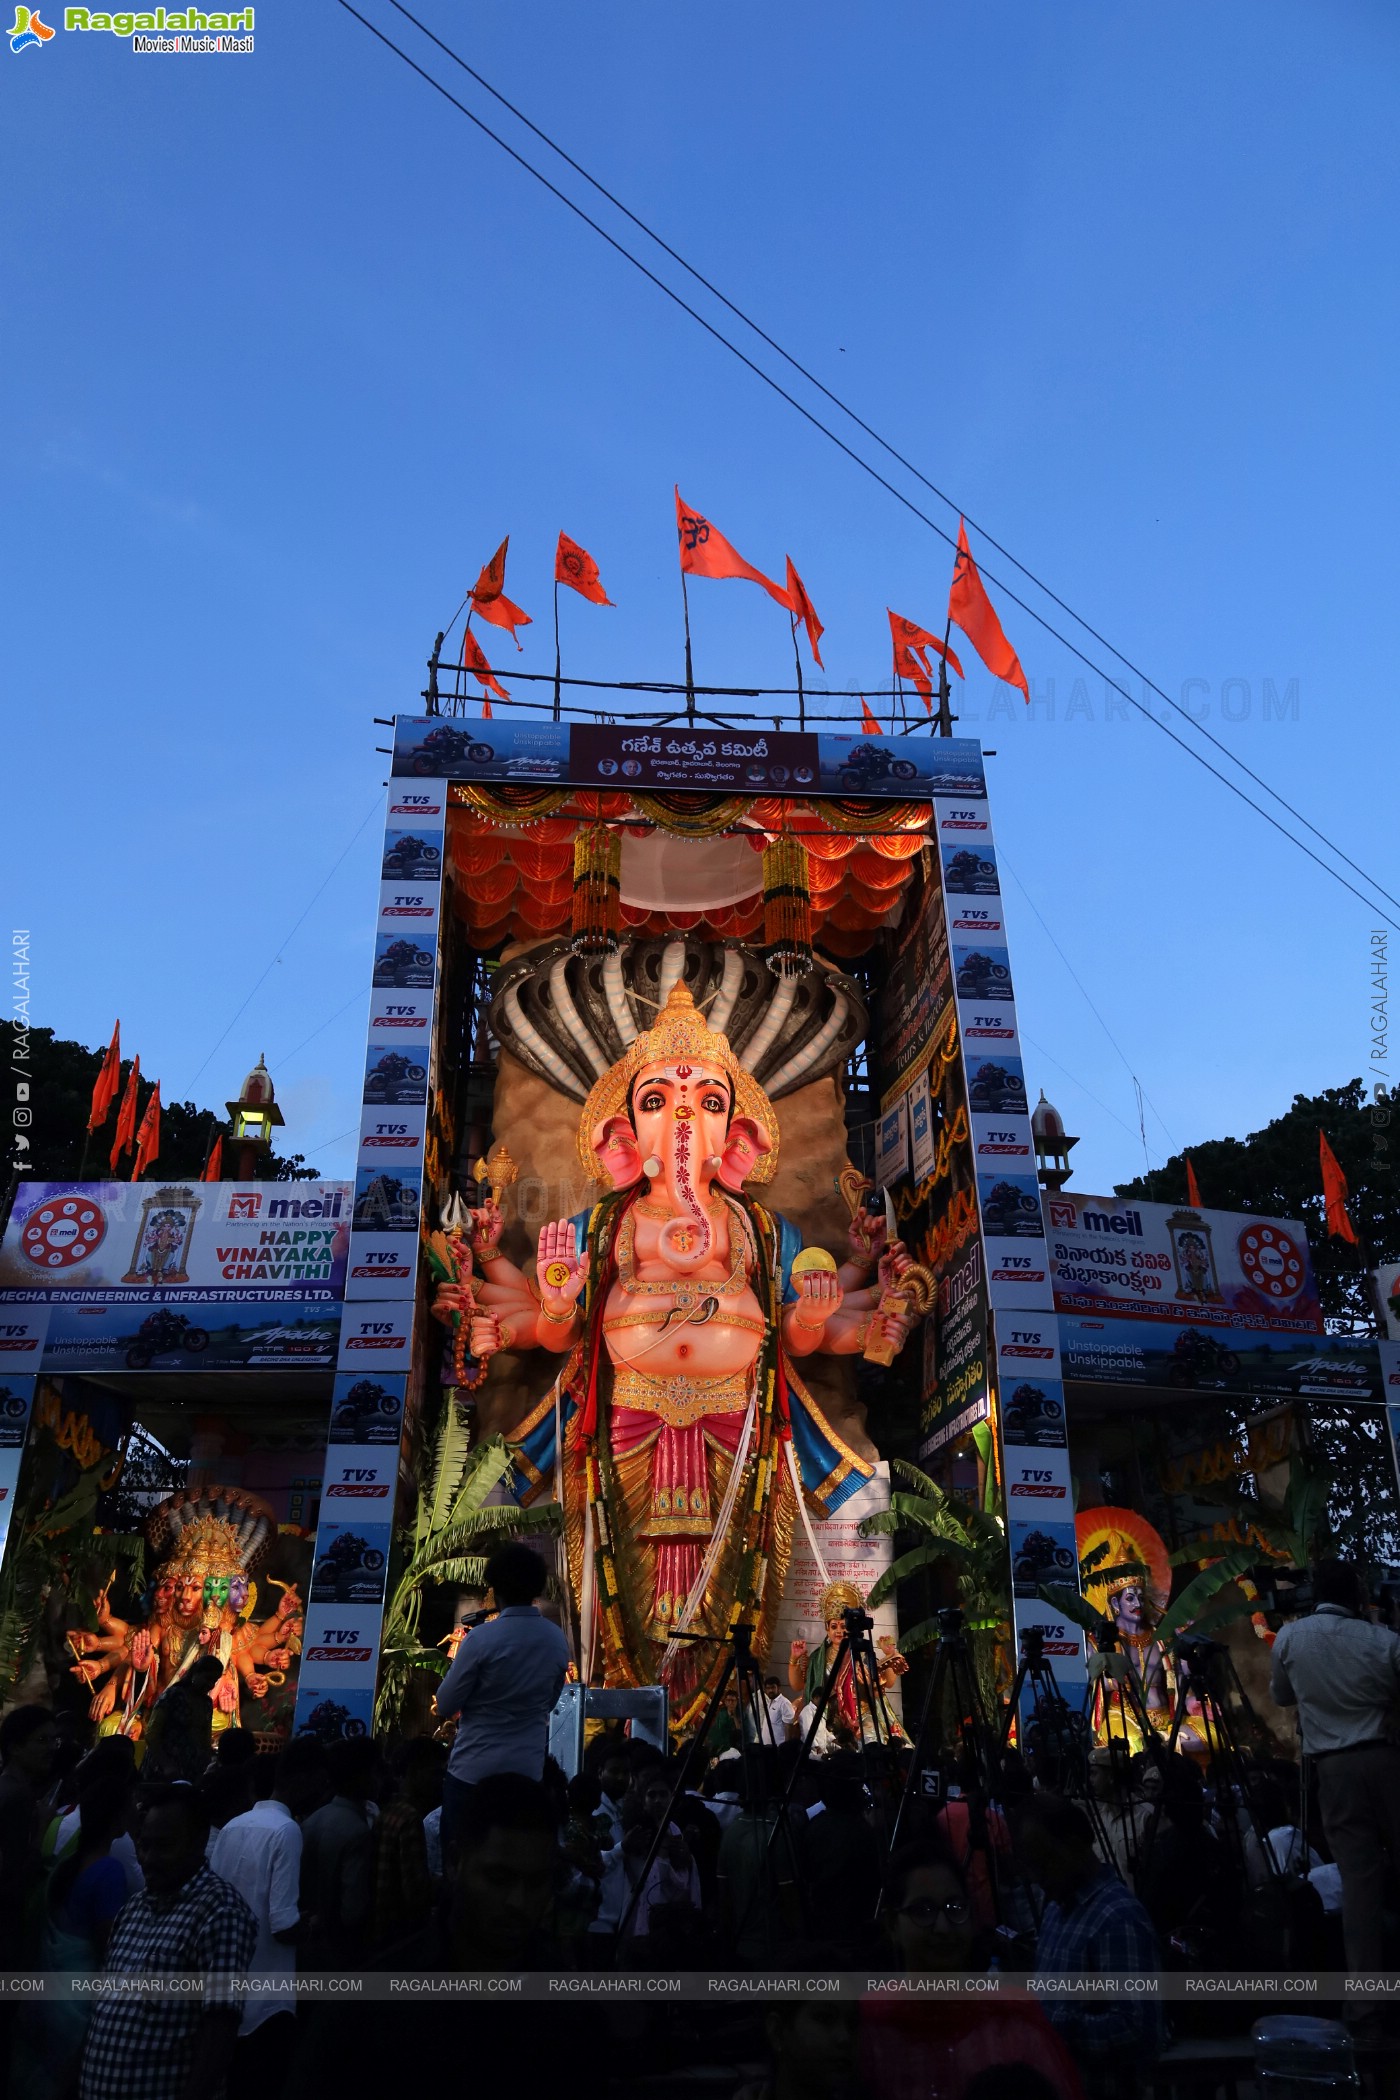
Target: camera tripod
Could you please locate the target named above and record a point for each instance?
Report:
(1064, 1730)
(1206, 1673)
(952, 1667)
(1112, 1672)
(753, 1725)
(856, 1646)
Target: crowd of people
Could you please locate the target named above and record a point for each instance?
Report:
(736, 1855)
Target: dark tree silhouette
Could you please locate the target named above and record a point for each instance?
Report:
(1275, 1171)
(61, 1078)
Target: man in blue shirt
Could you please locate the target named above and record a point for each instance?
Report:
(1091, 1925)
(504, 1685)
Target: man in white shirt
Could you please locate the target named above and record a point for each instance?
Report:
(504, 1684)
(614, 1777)
(781, 1711)
(259, 1854)
(674, 1878)
(111, 1757)
(1343, 1675)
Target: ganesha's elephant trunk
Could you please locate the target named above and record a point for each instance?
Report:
(686, 1239)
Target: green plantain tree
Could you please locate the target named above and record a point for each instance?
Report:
(971, 1543)
(55, 1561)
(453, 1532)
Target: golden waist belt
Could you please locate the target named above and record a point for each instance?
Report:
(746, 1321)
(679, 1402)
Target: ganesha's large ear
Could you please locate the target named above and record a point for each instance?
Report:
(745, 1147)
(614, 1144)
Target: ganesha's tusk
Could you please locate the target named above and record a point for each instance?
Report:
(823, 1575)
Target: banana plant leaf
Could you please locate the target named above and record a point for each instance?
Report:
(928, 1632)
(910, 1563)
(902, 1469)
(1217, 1617)
(1070, 1605)
(1182, 1612)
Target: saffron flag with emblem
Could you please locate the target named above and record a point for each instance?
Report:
(474, 660)
(1334, 1194)
(148, 1136)
(970, 608)
(1193, 1192)
(489, 598)
(214, 1165)
(911, 641)
(706, 552)
(867, 721)
(126, 1115)
(802, 608)
(575, 566)
(109, 1078)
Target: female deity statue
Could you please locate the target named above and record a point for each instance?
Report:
(852, 1714)
(679, 1434)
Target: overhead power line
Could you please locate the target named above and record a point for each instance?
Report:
(286, 938)
(884, 443)
(866, 467)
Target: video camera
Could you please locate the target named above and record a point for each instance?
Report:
(1197, 1656)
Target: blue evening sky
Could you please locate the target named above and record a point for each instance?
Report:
(290, 347)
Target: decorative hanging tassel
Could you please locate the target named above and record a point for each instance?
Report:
(787, 906)
(597, 917)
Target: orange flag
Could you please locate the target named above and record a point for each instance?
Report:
(1334, 1192)
(126, 1115)
(489, 599)
(802, 607)
(971, 609)
(575, 566)
(706, 552)
(1193, 1192)
(474, 660)
(109, 1078)
(910, 660)
(214, 1165)
(867, 721)
(148, 1136)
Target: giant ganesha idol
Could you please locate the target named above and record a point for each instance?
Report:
(681, 1307)
(212, 1541)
